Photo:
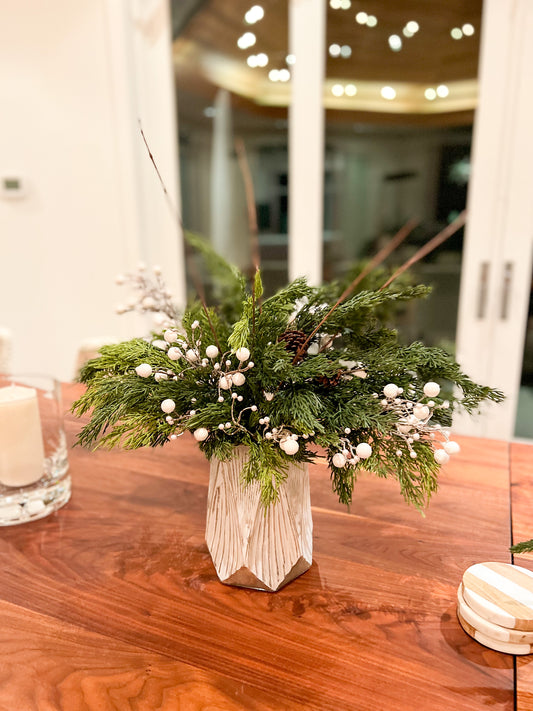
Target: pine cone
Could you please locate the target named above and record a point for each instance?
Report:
(330, 381)
(293, 339)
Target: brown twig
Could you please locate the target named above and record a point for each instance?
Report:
(190, 263)
(376, 261)
(170, 202)
(250, 201)
(445, 234)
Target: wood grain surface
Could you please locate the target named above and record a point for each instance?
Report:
(113, 602)
(521, 456)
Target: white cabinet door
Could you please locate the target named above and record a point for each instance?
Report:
(496, 277)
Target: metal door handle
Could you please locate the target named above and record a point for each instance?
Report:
(483, 290)
(506, 289)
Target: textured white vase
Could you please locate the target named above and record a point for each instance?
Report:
(252, 547)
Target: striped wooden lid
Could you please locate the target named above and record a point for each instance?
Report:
(489, 629)
(495, 644)
(500, 593)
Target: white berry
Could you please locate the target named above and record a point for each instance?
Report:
(168, 406)
(390, 390)
(225, 382)
(200, 434)
(452, 447)
(441, 457)
(339, 460)
(291, 446)
(148, 302)
(413, 455)
(431, 389)
(174, 353)
(170, 336)
(211, 351)
(195, 324)
(144, 370)
(242, 354)
(191, 356)
(238, 379)
(269, 396)
(363, 450)
(421, 411)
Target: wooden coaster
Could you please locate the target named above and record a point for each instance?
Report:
(489, 629)
(501, 593)
(495, 644)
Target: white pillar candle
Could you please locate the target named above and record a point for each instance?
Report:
(21, 440)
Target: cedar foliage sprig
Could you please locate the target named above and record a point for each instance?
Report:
(332, 397)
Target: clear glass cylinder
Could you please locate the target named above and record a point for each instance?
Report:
(251, 546)
(34, 478)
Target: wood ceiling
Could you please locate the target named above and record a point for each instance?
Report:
(430, 57)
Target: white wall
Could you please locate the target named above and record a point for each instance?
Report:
(71, 90)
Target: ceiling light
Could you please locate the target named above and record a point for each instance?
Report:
(284, 75)
(254, 14)
(273, 75)
(335, 4)
(371, 21)
(334, 50)
(346, 4)
(468, 29)
(252, 61)
(246, 40)
(395, 43)
(337, 90)
(456, 33)
(442, 91)
(407, 33)
(430, 94)
(262, 59)
(350, 90)
(361, 18)
(388, 92)
(346, 51)
(290, 59)
(412, 26)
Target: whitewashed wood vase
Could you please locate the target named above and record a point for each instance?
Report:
(251, 546)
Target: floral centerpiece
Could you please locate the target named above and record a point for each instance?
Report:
(263, 389)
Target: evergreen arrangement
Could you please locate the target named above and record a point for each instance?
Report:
(307, 368)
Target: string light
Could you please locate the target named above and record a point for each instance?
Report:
(387, 92)
(395, 43)
(246, 40)
(254, 14)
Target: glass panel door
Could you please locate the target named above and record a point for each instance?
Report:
(524, 412)
(398, 143)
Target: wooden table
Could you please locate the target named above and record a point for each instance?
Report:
(113, 603)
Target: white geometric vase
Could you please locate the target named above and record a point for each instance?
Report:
(251, 546)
